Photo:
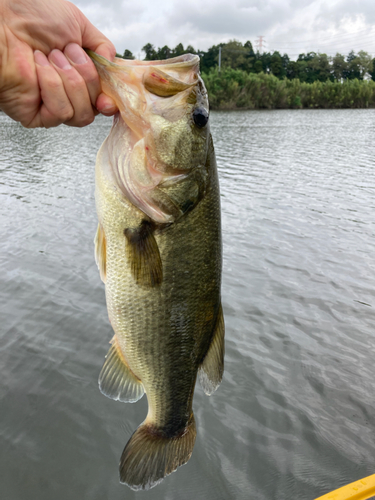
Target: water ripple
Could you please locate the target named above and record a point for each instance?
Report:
(294, 416)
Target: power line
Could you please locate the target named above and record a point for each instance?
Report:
(328, 38)
(366, 40)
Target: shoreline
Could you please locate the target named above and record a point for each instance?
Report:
(235, 108)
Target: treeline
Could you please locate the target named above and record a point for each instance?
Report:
(307, 68)
(249, 79)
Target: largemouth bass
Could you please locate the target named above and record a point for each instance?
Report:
(158, 249)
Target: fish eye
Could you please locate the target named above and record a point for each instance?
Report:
(200, 117)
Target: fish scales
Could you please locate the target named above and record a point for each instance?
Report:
(162, 276)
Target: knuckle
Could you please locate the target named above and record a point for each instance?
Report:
(86, 119)
(65, 115)
(92, 79)
(53, 83)
(76, 84)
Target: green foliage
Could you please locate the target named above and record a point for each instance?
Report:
(210, 58)
(339, 66)
(353, 69)
(372, 72)
(150, 52)
(128, 54)
(237, 56)
(233, 89)
(165, 52)
(365, 63)
(253, 80)
(308, 68)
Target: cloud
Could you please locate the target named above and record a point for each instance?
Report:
(291, 26)
(343, 11)
(233, 19)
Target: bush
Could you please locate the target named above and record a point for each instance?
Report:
(237, 89)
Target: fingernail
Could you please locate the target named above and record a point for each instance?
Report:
(40, 58)
(108, 108)
(59, 60)
(74, 52)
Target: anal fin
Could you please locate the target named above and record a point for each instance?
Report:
(101, 252)
(116, 380)
(212, 368)
(143, 254)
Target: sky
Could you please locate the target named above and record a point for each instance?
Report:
(289, 26)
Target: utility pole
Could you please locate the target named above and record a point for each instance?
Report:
(219, 58)
(259, 43)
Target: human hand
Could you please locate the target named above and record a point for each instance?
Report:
(62, 87)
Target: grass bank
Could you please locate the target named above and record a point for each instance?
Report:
(236, 89)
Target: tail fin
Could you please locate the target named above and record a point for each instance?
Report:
(149, 456)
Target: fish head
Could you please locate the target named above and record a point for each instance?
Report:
(178, 116)
(164, 113)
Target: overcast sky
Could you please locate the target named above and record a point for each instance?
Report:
(291, 26)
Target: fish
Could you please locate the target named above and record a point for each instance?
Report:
(158, 248)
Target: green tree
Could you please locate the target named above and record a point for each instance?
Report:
(178, 50)
(266, 61)
(258, 66)
(277, 65)
(304, 71)
(235, 55)
(150, 52)
(248, 45)
(128, 54)
(320, 66)
(339, 67)
(292, 69)
(372, 73)
(190, 50)
(365, 63)
(210, 58)
(353, 69)
(164, 52)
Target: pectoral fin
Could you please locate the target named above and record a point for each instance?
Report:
(101, 252)
(143, 254)
(212, 368)
(116, 380)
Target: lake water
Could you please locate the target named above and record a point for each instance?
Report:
(295, 415)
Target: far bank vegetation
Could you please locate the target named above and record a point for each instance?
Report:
(251, 80)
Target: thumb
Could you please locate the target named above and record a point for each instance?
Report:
(94, 39)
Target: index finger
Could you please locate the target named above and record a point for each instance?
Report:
(86, 68)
